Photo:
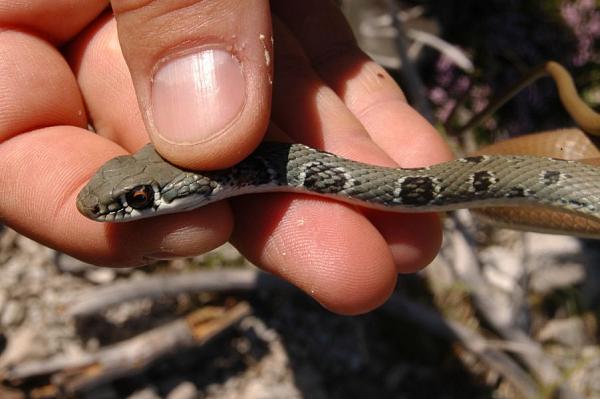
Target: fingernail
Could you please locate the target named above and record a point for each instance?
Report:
(196, 96)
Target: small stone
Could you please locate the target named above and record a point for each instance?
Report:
(100, 275)
(13, 314)
(146, 393)
(554, 277)
(185, 390)
(503, 269)
(567, 332)
(546, 245)
(23, 344)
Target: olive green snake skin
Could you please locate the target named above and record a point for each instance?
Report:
(144, 184)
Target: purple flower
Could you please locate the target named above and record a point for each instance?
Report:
(583, 18)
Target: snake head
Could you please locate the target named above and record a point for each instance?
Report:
(127, 187)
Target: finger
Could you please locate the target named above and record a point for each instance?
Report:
(320, 246)
(201, 71)
(47, 18)
(106, 86)
(312, 112)
(365, 88)
(31, 99)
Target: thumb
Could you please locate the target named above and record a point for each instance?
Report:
(202, 74)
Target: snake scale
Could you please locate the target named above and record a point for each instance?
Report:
(144, 184)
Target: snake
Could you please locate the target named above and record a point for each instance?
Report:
(525, 190)
(142, 185)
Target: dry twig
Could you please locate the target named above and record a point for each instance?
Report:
(99, 299)
(129, 357)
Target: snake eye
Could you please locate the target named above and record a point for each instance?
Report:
(140, 197)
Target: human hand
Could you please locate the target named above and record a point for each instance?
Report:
(326, 94)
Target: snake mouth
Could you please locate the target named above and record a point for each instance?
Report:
(98, 213)
(91, 211)
(87, 204)
(92, 208)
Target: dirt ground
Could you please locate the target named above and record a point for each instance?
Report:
(286, 345)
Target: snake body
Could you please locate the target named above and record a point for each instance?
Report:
(144, 184)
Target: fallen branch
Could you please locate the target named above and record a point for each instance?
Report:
(99, 299)
(74, 374)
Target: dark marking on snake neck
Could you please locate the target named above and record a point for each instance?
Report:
(551, 177)
(482, 181)
(418, 190)
(323, 179)
(475, 159)
(252, 171)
